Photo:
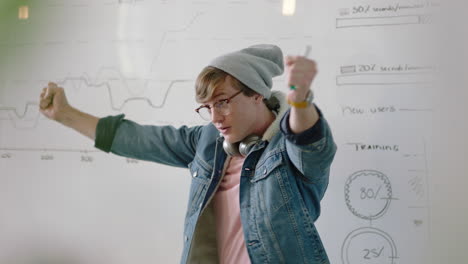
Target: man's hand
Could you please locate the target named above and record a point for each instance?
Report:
(300, 73)
(53, 103)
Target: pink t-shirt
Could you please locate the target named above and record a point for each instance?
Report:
(229, 234)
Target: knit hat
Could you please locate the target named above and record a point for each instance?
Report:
(254, 66)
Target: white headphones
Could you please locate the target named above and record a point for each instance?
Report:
(241, 148)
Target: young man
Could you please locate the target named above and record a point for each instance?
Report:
(259, 169)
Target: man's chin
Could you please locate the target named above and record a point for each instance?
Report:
(231, 139)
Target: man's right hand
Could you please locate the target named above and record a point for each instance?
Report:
(54, 105)
(53, 102)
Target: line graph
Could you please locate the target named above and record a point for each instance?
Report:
(31, 108)
(116, 103)
(166, 33)
(112, 102)
(22, 114)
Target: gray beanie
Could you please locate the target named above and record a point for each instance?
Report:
(254, 66)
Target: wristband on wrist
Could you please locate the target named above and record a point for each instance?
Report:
(305, 103)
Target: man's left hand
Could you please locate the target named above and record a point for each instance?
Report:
(300, 72)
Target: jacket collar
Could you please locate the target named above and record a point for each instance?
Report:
(274, 127)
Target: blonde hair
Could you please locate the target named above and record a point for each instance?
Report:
(211, 78)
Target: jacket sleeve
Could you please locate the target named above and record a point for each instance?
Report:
(311, 151)
(162, 144)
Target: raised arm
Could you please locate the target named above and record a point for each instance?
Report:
(54, 105)
(300, 73)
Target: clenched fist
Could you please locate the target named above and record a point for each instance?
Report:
(300, 72)
(53, 103)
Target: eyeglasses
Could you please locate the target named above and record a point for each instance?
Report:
(221, 107)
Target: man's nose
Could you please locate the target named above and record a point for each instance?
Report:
(216, 117)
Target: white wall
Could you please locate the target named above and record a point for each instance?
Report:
(450, 166)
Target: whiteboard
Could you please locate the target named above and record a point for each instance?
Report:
(63, 200)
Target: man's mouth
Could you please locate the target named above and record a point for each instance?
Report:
(223, 129)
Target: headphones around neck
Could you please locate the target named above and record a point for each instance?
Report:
(241, 148)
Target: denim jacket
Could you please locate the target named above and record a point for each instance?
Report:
(283, 179)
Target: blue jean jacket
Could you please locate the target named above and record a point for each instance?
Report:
(283, 180)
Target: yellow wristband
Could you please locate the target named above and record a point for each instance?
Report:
(302, 104)
(305, 103)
